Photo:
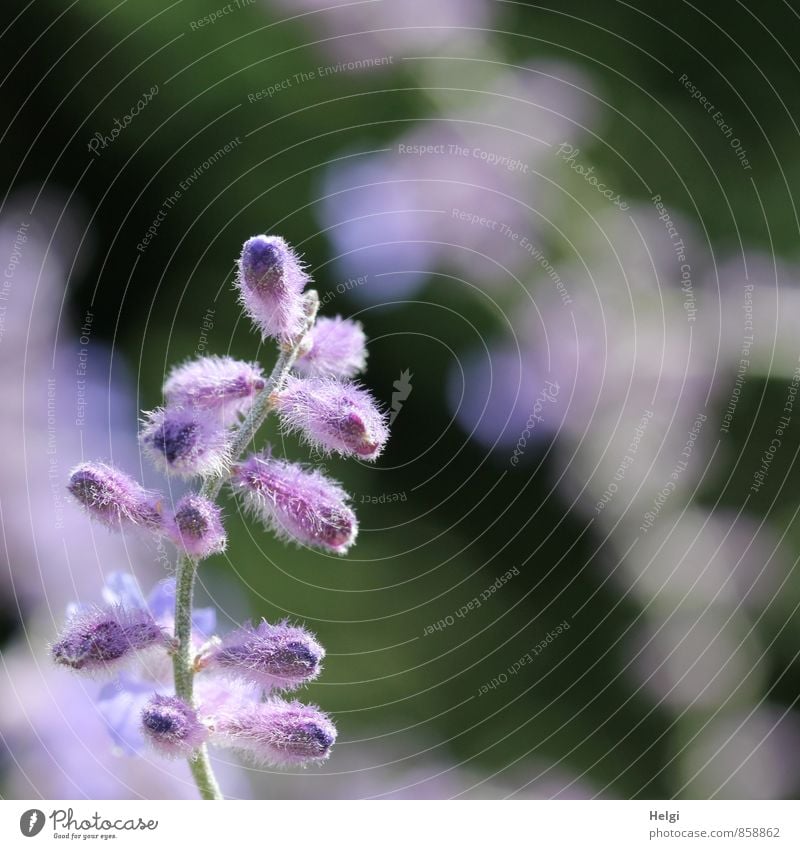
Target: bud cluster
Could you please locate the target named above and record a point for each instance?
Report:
(212, 407)
(263, 658)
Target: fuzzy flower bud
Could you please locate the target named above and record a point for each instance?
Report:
(172, 727)
(273, 656)
(297, 504)
(185, 442)
(277, 733)
(219, 384)
(333, 416)
(113, 498)
(196, 527)
(271, 282)
(337, 348)
(101, 639)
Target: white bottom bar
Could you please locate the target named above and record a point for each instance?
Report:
(403, 824)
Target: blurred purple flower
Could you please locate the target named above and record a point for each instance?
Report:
(462, 192)
(61, 395)
(498, 394)
(122, 701)
(358, 31)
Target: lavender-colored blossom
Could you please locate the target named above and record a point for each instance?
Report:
(171, 727)
(350, 31)
(297, 503)
(384, 212)
(338, 348)
(196, 527)
(273, 656)
(185, 442)
(334, 416)
(276, 732)
(501, 396)
(271, 281)
(111, 497)
(100, 639)
(222, 384)
(161, 604)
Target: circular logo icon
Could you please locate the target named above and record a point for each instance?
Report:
(31, 822)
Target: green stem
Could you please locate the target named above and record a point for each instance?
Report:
(184, 673)
(203, 775)
(182, 661)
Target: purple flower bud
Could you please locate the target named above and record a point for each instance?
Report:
(296, 503)
(271, 282)
(215, 383)
(196, 526)
(277, 732)
(337, 349)
(111, 497)
(185, 442)
(273, 656)
(172, 727)
(103, 638)
(333, 415)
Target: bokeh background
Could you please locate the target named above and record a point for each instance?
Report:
(570, 231)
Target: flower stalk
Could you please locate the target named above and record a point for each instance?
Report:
(215, 406)
(182, 661)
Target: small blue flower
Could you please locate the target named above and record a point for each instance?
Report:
(122, 700)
